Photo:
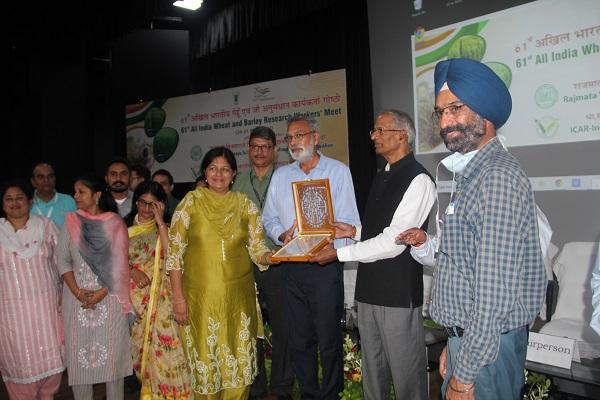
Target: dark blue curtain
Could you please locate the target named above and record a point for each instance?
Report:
(261, 40)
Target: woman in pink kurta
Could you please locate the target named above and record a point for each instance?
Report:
(31, 350)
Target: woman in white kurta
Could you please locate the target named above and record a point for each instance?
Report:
(92, 259)
(31, 352)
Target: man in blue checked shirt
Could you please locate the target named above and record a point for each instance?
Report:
(489, 277)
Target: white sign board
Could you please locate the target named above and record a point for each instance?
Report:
(551, 350)
(176, 133)
(546, 52)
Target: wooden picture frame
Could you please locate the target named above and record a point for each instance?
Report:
(314, 213)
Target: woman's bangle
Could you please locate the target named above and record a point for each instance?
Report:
(78, 293)
(163, 225)
(178, 301)
(353, 232)
(467, 390)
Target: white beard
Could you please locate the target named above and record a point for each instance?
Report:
(306, 153)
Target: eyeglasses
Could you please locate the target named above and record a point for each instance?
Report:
(143, 203)
(260, 147)
(453, 110)
(296, 136)
(382, 131)
(213, 169)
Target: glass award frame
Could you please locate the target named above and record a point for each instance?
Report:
(314, 214)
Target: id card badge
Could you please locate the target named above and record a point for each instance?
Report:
(450, 209)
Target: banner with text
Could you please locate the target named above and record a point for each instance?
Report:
(175, 133)
(547, 52)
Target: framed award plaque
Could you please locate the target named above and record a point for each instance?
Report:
(314, 213)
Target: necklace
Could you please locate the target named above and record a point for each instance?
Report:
(137, 220)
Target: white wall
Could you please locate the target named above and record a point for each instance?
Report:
(574, 215)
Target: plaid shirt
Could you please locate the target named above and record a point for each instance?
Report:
(489, 276)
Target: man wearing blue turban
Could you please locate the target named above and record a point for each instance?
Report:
(489, 279)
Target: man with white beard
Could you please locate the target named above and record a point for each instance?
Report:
(314, 294)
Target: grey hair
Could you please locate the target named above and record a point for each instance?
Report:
(312, 122)
(402, 121)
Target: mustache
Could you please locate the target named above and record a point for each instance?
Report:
(117, 182)
(454, 128)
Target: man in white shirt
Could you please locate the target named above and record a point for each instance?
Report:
(389, 283)
(313, 293)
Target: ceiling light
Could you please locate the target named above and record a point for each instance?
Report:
(189, 4)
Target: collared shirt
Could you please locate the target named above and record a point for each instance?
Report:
(412, 211)
(595, 322)
(279, 212)
(489, 276)
(256, 189)
(55, 209)
(124, 205)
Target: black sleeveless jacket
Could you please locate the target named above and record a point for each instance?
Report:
(398, 281)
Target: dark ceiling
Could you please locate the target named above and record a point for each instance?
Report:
(59, 59)
(50, 29)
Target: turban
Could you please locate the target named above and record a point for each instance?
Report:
(476, 85)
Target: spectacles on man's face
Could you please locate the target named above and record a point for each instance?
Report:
(260, 147)
(382, 131)
(296, 136)
(453, 110)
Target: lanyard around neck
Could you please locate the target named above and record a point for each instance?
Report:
(261, 199)
(50, 210)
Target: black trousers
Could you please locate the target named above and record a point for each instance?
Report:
(270, 285)
(314, 299)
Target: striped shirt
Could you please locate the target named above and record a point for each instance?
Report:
(489, 276)
(30, 326)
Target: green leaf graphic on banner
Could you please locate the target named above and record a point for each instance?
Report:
(154, 121)
(438, 54)
(468, 46)
(165, 144)
(502, 70)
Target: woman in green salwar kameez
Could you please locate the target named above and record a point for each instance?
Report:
(215, 236)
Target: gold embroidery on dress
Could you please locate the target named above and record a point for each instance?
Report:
(238, 372)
